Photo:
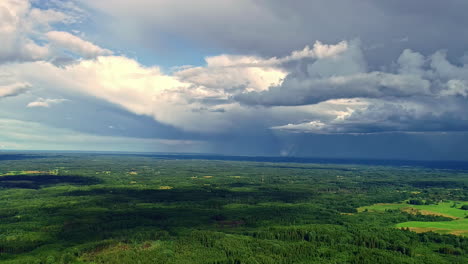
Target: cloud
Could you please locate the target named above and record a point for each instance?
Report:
(343, 75)
(13, 89)
(75, 44)
(197, 99)
(312, 90)
(17, 134)
(444, 69)
(421, 95)
(27, 35)
(189, 99)
(275, 27)
(456, 87)
(18, 23)
(430, 97)
(318, 51)
(411, 63)
(41, 102)
(383, 117)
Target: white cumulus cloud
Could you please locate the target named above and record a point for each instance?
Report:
(75, 44)
(42, 102)
(14, 89)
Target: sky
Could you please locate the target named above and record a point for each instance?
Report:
(317, 78)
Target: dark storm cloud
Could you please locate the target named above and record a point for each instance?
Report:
(423, 25)
(346, 75)
(312, 91)
(425, 115)
(428, 146)
(423, 94)
(274, 27)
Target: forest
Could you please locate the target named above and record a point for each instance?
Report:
(144, 208)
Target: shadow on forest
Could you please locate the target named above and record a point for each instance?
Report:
(38, 181)
(114, 211)
(197, 195)
(4, 157)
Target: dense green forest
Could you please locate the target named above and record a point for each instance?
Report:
(96, 208)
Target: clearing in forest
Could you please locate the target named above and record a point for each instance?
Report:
(449, 209)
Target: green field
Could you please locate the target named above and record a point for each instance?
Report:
(450, 209)
(456, 227)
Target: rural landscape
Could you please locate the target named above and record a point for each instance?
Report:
(154, 208)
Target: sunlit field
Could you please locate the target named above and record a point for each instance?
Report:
(452, 210)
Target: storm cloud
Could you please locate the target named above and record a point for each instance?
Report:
(275, 27)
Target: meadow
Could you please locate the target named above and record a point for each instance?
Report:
(109, 208)
(458, 225)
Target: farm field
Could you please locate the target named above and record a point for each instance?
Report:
(103, 208)
(457, 225)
